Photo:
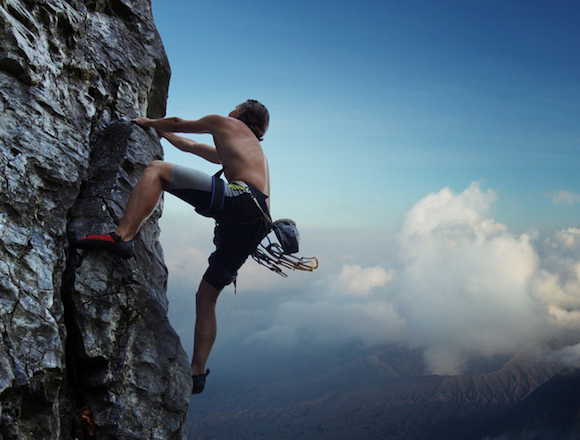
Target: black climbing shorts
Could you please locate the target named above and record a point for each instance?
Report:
(240, 225)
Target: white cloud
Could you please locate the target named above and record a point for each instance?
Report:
(344, 307)
(565, 239)
(557, 284)
(456, 283)
(464, 283)
(565, 197)
(324, 322)
(568, 356)
(358, 281)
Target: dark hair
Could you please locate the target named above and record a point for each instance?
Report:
(255, 115)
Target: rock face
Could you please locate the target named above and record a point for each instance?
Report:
(87, 350)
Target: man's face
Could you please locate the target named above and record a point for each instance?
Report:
(236, 113)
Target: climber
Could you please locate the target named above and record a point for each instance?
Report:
(240, 223)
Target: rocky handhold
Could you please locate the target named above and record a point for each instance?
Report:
(82, 329)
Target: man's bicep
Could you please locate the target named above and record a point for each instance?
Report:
(207, 124)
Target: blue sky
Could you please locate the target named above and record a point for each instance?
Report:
(383, 102)
(380, 109)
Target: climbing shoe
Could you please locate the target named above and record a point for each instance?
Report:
(108, 242)
(199, 382)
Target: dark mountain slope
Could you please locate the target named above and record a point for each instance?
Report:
(550, 412)
(363, 395)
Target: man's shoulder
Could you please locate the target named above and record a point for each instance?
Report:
(222, 122)
(214, 119)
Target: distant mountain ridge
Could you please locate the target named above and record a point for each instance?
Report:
(373, 395)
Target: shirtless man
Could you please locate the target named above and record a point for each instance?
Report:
(240, 224)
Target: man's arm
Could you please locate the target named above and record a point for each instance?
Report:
(207, 124)
(204, 151)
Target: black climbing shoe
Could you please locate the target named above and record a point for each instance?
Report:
(199, 382)
(108, 242)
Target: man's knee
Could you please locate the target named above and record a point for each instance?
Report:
(156, 166)
(206, 293)
(161, 170)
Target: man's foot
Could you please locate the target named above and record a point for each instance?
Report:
(199, 382)
(108, 242)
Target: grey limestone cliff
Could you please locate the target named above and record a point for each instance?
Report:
(86, 348)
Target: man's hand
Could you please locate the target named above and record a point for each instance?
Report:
(143, 122)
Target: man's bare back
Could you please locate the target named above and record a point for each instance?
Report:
(241, 155)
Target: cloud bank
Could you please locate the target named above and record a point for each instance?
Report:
(461, 284)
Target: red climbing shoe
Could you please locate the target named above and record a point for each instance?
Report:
(108, 242)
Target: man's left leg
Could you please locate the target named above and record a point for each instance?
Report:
(205, 331)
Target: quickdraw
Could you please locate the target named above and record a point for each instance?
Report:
(273, 257)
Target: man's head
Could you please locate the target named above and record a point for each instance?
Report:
(254, 115)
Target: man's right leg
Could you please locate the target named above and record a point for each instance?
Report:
(144, 198)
